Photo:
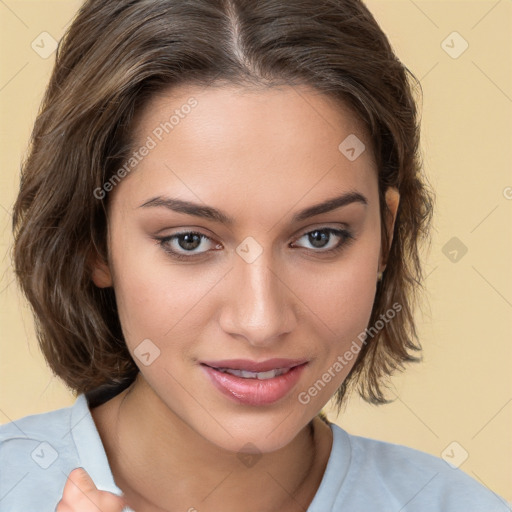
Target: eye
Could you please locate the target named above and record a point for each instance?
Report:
(183, 245)
(329, 239)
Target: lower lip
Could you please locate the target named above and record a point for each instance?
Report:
(254, 391)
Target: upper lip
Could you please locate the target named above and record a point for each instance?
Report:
(255, 366)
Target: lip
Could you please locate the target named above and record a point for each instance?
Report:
(255, 366)
(254, 392)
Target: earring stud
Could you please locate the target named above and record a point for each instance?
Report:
(379, 276)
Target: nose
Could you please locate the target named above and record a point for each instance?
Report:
(260, 307)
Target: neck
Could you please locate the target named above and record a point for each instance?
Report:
(167, 466)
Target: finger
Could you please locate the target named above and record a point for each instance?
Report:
(78, 484)
(80, 491)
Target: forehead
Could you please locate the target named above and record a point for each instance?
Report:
(299, 112)
(211, 143)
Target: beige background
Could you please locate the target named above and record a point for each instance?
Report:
(462, 391)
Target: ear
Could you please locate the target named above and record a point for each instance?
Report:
(100, 272)
(392, 197)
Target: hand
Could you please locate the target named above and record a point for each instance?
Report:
(81, 495)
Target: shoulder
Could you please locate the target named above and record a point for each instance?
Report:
(406, 479)
(37, 453)
(40, 436)
(35, 425)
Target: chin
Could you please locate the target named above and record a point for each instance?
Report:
(254, 431)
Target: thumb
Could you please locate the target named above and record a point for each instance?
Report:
(81, 482)
(80, 491)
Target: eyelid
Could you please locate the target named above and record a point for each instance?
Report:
(319, 227)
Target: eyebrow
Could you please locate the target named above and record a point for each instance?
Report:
(207, 212)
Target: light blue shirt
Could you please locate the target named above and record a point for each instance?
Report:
(38, 452)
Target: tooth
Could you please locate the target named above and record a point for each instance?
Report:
(267, 375)
(245, 374)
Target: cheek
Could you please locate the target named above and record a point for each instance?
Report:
(155, 298)
(342, 294)
(343, 301)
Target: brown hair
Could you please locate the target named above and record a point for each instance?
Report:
(118, 54)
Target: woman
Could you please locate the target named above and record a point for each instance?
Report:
(218, 229)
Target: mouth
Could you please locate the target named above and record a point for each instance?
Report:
(255, 366)
(255, 383)
(244, 374)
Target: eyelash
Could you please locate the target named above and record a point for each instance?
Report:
(346, 239)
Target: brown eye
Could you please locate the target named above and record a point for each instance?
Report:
(183, 245)
(328, 239)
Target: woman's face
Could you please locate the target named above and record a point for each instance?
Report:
(282, 279)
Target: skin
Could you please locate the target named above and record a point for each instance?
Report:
(172, 439)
